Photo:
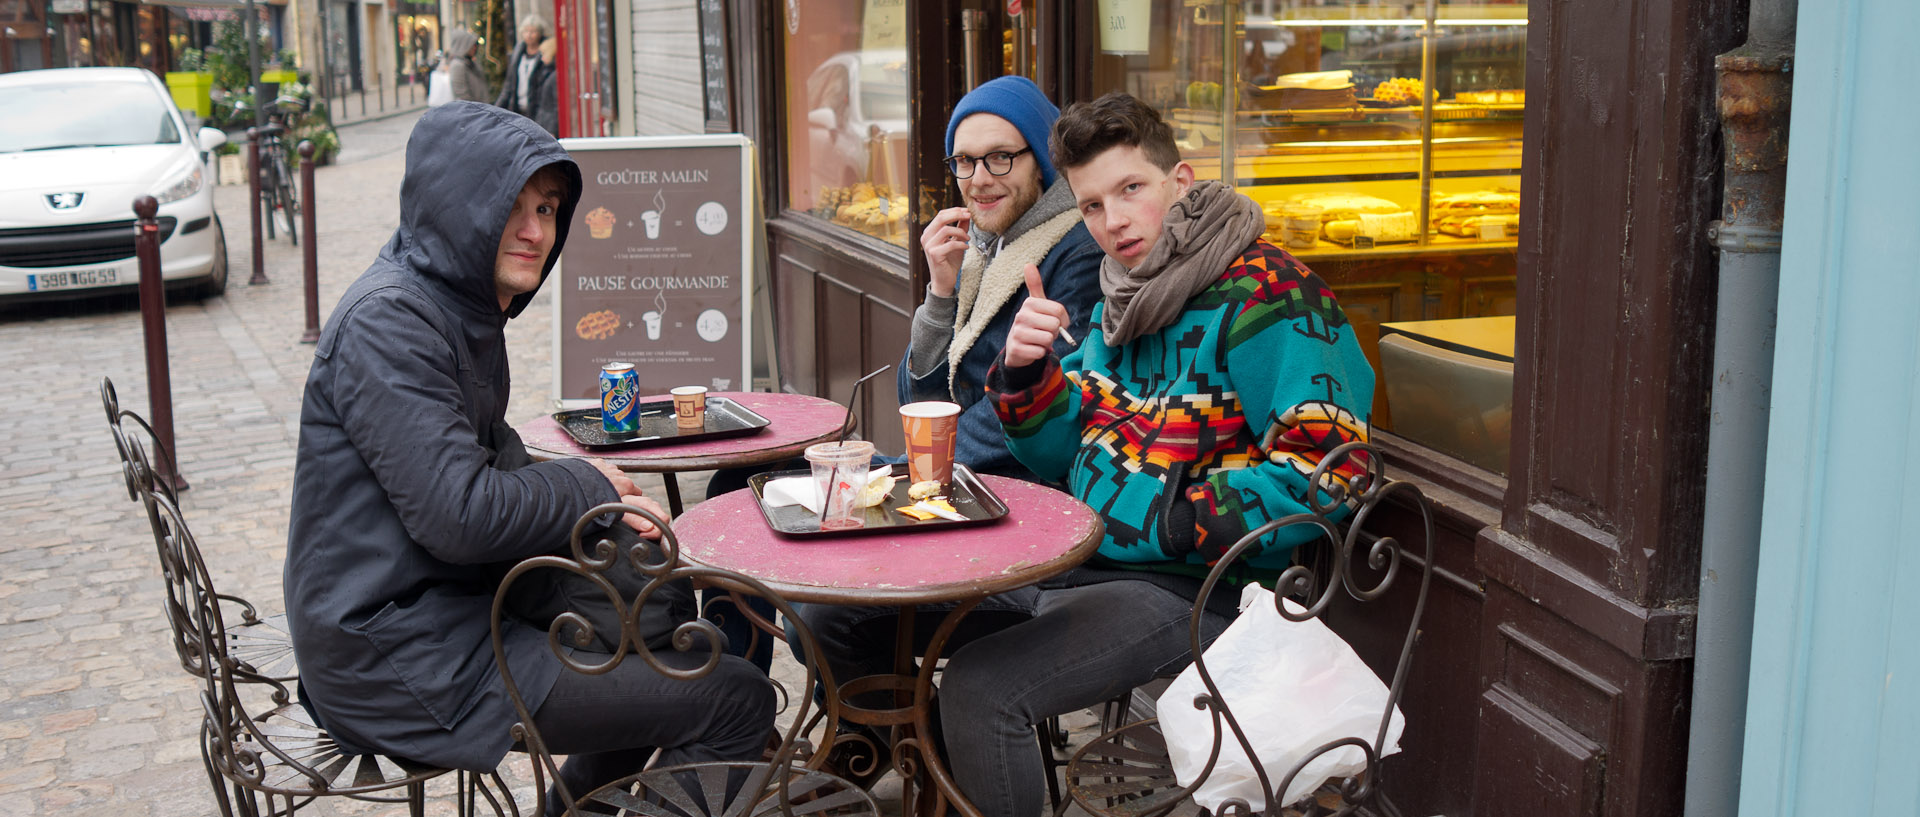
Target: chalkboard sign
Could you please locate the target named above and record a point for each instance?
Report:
(713, 63)
(656, 267)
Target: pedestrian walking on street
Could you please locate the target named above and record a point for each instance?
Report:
(463, 76)
(546, 106)
(524, 68)
(413, 497)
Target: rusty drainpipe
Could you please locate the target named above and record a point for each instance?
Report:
(1755, 98)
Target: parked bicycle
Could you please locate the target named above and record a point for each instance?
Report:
(278, 191)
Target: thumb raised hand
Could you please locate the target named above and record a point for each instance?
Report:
(1034, 289)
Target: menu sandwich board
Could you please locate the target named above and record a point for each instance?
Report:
(657, 267)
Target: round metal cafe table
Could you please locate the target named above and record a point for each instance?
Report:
(1045, 533)
(794, 421)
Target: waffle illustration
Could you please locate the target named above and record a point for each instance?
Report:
(600, 223)
(597, 325)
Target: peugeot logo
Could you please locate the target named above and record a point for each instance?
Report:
(64, 201)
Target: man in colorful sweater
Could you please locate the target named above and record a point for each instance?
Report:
(1217, 372)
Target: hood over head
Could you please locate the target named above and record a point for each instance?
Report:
(466, 163)
(461, 42)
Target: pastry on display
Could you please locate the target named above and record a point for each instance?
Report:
(1476, 202)
(1488, 226)
(1399, 91)
(1383, 228)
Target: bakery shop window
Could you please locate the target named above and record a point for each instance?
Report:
(1383, 142)
(847, 113)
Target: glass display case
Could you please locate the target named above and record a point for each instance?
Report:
(1381, 139)
(847, 114)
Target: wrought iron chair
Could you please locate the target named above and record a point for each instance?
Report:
(780, 784)
(268, 759)
(261, 645)
(1126, 772)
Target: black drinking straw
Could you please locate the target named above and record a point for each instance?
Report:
(855, 398)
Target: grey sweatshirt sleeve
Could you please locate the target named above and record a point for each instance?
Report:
(931, 335)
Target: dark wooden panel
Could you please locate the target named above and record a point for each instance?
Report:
(1537, 672)
(1433, 774)
(1618, 183)
(1562, 776)
(795, 267)
(888, 327)
(1632, 706)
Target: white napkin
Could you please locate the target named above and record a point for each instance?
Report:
(779, 493)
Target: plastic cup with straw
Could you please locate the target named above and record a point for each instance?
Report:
(832, 462)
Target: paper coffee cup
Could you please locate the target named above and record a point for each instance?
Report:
(690, 406)
(930, 427)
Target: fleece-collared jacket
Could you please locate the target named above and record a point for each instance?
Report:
(402, 522)
(955, 340)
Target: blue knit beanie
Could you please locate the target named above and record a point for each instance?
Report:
(1019, 101)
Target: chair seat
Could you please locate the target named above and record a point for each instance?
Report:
(264, 647)
(698, 790)
(289, 729)
(1128, 773)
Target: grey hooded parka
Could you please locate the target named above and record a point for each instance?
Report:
(408, 506)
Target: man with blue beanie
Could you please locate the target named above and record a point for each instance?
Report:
(1019, 216)
(1019, 212)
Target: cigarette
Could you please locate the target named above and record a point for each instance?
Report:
(1069, 336)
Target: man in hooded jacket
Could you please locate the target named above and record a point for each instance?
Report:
(412, 496)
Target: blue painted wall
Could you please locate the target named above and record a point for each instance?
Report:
(1833, 716)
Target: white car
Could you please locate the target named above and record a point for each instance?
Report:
(80, 144)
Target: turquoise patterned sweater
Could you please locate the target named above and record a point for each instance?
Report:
(1187, 438)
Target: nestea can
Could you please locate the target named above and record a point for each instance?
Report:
(619, 399)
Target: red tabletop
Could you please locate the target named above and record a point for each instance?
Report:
(1045, 532)
(794, 421)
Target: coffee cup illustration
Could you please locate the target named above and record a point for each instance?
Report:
(652, 320)
(651, 218)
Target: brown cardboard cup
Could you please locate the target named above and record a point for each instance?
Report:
(690, 406)
(930, 427)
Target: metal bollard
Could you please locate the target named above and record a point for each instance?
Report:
(153, 321)
(253, 207)
(310, 253)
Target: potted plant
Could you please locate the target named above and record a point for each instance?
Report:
(192, 85)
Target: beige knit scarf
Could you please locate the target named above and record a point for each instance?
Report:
(1204, 232)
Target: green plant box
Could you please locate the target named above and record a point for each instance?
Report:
(192, 91)
(281, 77)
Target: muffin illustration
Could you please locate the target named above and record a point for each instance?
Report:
(600, 223)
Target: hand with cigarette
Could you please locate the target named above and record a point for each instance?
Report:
(945, 244)
(1035, 326)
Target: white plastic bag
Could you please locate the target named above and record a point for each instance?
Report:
(1293, 686)
(439, 87)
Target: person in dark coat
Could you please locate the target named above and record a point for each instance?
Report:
(412, 496)
(524, 68)
(546, 94)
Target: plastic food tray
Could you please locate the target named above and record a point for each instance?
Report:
(725, 418)
(969, 494)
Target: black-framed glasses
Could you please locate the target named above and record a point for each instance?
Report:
(999, 162)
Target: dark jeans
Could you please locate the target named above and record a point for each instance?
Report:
(1019, 658)
(609, 724)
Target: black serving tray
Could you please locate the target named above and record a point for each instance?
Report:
(725, 418)
(969, 494)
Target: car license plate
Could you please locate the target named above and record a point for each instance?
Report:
(73, 278)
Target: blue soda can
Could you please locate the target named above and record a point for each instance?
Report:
(619, 403)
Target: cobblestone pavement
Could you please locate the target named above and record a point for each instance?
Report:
(96, 716)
